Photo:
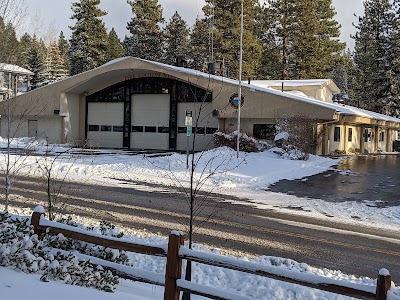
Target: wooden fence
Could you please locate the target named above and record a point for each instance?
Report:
(175, 253)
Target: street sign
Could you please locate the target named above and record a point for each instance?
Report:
(189, 113)
(189, 131)
(188, 121)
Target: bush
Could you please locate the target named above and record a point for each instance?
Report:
(21, 248)
(246, 143)
(301, 133)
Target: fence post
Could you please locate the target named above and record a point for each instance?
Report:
(35, 219)
(174, 266)
(383, 284)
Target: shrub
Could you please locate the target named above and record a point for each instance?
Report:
(21, 248)
(246, 143)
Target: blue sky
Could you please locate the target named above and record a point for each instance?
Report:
(57, 13)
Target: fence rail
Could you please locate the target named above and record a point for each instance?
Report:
(174, 284)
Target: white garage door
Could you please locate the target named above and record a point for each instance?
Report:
(105, 124)
(150, 121)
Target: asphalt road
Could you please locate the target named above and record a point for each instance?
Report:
(238, 229)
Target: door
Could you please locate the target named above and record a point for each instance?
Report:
(32, 128)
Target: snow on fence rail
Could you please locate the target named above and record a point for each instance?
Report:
(175, 253)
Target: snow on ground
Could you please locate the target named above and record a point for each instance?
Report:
(247, 177)
(17, 285)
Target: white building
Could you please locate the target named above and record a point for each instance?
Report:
(138, 104)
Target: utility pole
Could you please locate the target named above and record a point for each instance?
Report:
(240, 79)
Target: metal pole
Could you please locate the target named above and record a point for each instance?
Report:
(187, 150)
(240, 79)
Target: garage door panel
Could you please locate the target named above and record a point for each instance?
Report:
(150, 114)
(104, 124)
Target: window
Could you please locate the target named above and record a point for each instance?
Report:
(106, 127)
(199, 130)
(210, 130)
(382, 136)
(150, 129)
(118, 128)
(163, 129)
(350, 137)
(366, 135)
(181, 129)
(336, 134)
(94, 127)
(137, 128)
(264, 131)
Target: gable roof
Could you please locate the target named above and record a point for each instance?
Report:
(14, 69)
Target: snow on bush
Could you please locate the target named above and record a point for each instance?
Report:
(246, 143)
(21, 248)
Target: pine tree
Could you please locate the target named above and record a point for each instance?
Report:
(55, 64)
(176, 40)
(25, 43)
(306, 37)
(36, 64)
(9, 43)
(344, 76)
(146, 38)
(89, 37)
(394, 60)
(226, 35)
(115, 48)
(372, 56)
(199, 53)
(64, 47)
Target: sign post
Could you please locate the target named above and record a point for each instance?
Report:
(188, 124)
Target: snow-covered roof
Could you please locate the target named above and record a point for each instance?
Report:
(339, 108)
(14, 69)
(298, 83)
(305, 82)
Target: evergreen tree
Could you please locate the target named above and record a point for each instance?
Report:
(176, 40)
(305, 35)
(89, 37)
(199, 53)
(64, 47)
(226, 35)
(55, 64)
(36, 64)
(146, 38)
(9, 43)
(372, 56)
(25, 43)
(115, 48)
(394, 59)
(343, 75)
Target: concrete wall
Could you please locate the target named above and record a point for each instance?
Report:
(48, 128)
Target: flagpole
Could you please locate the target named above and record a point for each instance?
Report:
(240, 79)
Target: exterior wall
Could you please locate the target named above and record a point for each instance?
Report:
(48, 128)
(205, 120)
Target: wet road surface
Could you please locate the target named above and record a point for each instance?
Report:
(373, 179)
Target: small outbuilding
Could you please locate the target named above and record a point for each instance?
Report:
(138, 104)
